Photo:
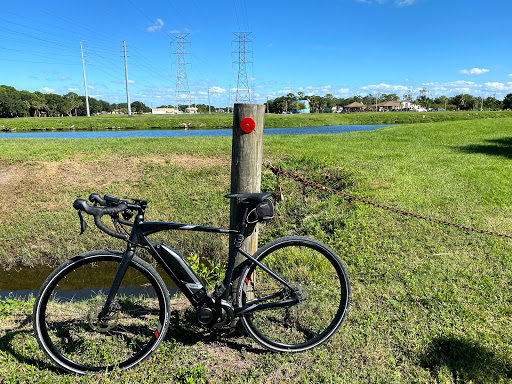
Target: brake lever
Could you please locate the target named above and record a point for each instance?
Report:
(83, 224)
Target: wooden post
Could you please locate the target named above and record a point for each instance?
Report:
(246, 162)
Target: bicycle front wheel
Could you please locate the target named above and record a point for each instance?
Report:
(319, 277)
(67, 320)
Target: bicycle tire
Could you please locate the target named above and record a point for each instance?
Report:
(66, 312)
(324, 287)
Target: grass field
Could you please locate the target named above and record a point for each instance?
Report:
(429, 303)
(225, 120)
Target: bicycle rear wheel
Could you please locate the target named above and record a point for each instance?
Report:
(324, 291)
(66, 313)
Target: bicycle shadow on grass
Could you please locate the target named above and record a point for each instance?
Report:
(465, 360)
(6, 345)
(497, 147)
(184, 328)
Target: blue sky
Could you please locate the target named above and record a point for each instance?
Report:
(342, 47)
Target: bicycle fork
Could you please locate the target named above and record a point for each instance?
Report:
(125, 263)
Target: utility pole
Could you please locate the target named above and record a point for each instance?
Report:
(85, 81)
(126, 76)
(209, 108)
(229, 100)
(243, 91)
(182, 90)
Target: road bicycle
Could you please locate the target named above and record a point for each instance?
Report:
(106, 309)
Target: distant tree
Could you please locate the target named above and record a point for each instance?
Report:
(95, 106)
(11, 103)
(297, 106)
(71, 103)
(317, 103)
(106, 106)
(491, 103)
(389, 97)
(330, 101)
(440, 101)
(38, 103)
(368, 100)
(407, 96)
(464, 102)
(55, 105)
(507, 101)
(139, 107)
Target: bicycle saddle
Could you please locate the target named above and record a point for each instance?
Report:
(249, 196)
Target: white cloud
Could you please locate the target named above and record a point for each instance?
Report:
(155, 27)
(474, 71)
(73, 89)
(48, 90)
(131, 81)
(458, 87)
(398, 3)
(496, 86)
(510, 75)
(217, 90)
(385, 88)
(404, 3)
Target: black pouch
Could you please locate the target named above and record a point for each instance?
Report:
(261, 212)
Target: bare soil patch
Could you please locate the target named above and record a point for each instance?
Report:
(20, 182)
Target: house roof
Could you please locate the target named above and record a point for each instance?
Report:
(355, 104)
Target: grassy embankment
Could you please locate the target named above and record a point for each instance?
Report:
(429, 303)
(225, 120)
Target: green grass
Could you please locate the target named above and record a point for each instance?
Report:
(225, 120)
(429, 303)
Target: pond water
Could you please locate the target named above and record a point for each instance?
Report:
(24, 283)
(182, 133)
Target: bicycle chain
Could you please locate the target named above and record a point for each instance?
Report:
(294, 176)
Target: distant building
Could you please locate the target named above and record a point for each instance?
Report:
(163, 111)
(355, 107)
(191, 110)
(398, 105)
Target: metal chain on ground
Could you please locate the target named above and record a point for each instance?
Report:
(291, 175)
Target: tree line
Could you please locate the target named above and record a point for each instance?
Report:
(321, 104)
(14, 103)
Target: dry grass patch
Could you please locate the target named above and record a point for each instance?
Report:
(42, 181)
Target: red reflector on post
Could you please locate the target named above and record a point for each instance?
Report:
(247, 124)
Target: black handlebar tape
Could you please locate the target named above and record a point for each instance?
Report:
(97, 212)
(104, 228)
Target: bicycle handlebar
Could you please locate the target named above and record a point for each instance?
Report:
(82, 205)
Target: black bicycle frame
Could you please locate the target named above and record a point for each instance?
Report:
(179, 270)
